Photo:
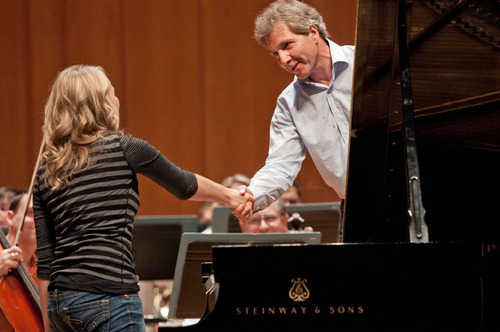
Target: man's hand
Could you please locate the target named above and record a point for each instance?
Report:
(9, 259)
(244, 211)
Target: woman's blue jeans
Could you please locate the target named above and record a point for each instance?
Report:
(81, 311)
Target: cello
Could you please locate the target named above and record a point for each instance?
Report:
(19, 299)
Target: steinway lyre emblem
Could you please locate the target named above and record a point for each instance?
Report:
(299, 291)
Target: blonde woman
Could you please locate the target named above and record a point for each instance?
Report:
(85, 200)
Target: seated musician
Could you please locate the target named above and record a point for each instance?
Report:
(272, 219)
(6, 194)
(293, 195)
(25, 251)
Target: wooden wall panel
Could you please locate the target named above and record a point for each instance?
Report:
(243, 82)
(46, 17)
(163, 93)
(190, 78)
(15, 147)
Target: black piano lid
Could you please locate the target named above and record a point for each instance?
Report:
(456, 92)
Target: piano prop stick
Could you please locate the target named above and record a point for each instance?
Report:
(417, 227)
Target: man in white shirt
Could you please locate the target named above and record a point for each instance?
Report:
(313, 112)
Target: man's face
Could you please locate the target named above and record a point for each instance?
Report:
(28, 232)
(291, 196)
(4, 207)
(297, 54)
(269, 220)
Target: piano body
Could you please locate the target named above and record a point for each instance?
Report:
(454, 63)
(379, 278)
(345, 287)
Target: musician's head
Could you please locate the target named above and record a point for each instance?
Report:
(18, 206)
(6, 194)
(294, 34)
(235, 181)
(296, 15)
(292, 195)
(82, 107)
(273, 219)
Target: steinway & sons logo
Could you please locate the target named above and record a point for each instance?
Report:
(300, 293)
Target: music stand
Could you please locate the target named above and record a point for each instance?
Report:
(322, 217)
(223, 221)
(158, 237)
(188, 298)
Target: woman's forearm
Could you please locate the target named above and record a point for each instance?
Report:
(211, 191)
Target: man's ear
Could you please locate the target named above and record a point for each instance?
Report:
(10, 217)
(314, 32)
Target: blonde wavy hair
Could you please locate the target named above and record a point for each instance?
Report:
(78, 112)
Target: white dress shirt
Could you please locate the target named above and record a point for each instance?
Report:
(310, 116)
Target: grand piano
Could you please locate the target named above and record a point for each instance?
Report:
(421, 228)
(454, 65)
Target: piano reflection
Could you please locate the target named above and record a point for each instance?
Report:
(421, 226)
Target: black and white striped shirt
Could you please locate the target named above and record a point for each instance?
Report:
(84, 231)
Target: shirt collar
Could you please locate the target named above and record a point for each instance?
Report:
(338, 57)
(336, 53)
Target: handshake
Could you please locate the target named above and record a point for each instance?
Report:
(242, 204)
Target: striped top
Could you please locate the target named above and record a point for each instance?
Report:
(84, 231)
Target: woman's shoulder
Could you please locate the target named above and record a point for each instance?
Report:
(127, 140)
(132, 145)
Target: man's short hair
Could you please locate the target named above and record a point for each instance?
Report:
(8, 192)
(279, 204)
(298, 16)
(239, 178)
(297, 187)
(16, 200)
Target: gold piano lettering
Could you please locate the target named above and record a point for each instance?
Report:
(346, 310)
(302, 310)
(255, 311)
